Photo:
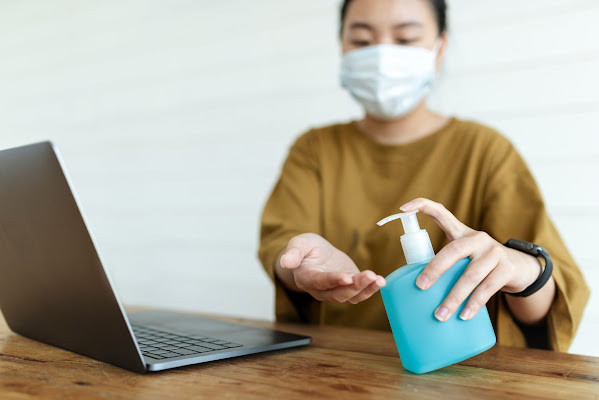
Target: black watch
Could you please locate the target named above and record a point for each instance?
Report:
(537, 251)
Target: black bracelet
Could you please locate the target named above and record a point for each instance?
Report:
(537, 251)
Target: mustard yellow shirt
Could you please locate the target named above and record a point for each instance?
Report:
(338, 182)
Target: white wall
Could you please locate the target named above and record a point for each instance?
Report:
(174, 117)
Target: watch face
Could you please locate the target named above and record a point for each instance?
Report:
(523, 246)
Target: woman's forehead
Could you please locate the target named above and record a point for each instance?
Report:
(390, 13)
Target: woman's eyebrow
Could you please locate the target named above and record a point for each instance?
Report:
(406, 24)
(365, 25)
(360, 25)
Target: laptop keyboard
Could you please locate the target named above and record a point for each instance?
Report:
(159, 344)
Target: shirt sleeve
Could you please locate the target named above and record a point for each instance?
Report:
(514, 208)
(293, 208)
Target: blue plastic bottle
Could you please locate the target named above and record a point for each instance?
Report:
(423, 342)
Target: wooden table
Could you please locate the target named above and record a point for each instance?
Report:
(340, 363)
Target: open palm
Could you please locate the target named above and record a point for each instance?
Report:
(327, 273)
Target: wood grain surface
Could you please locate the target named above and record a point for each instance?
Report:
(340, 363)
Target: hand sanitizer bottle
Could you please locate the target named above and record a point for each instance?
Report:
(423, 342)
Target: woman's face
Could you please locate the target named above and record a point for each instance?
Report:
(404, 22)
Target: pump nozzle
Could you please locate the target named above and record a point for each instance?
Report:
(408, 220)
(415, 242)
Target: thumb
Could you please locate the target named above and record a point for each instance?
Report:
(297, 249)
(291, 258)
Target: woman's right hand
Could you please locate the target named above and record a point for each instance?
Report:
(325, 272)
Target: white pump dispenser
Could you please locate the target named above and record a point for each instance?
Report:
(415, 242)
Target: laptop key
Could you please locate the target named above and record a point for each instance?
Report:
(222, 342)
(199, 349)
(170, 354)
(171, 348)
(155, 356)
(213, 346)
(185, 351)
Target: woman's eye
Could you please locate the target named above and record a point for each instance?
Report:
(406, 41)
(360, 43)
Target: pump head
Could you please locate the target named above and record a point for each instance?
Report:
(408, 220)
(415, 242)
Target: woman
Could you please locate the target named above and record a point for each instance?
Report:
(319, 239)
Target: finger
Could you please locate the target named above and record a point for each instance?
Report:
(452, 227)
(320, 280)
(363, 279)
(481, 295)
(472, 276)
(369, 290)
(297, 249)
(341, 294)
(473, 245)
(291, 258)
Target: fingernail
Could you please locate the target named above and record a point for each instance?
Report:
(370, 275)
(406, 207)
(422, 282)
(381, 281)
(441, 313)
(465, 314)
(281, 261)
(346, 280)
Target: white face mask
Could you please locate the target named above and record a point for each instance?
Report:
(388, 80)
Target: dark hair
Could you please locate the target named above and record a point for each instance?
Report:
(439, 7)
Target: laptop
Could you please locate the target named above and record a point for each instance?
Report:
(54, 288)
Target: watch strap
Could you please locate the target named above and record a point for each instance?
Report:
(537, 251)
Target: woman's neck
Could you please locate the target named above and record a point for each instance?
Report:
(419, 123)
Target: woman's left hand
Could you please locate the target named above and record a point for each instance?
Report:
(493, 267)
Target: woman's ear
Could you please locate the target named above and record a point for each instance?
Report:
(442, 46)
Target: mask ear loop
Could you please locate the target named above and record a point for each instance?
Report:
(437, 46)
(435, 51)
